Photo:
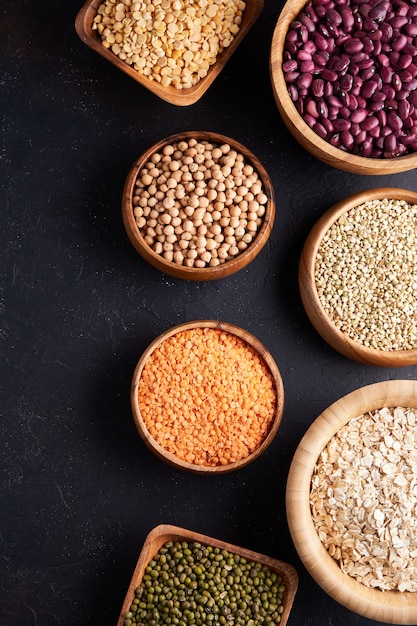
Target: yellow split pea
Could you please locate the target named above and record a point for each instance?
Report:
(207, 397)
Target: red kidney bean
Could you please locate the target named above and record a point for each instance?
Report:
(359, 115)
(360, 137)
(311, 108)
(411, 29)
(352, 46)
(304, 80)
(320, 130)
(289, 66)
(355, 77)
(346, 82)
(317, 87)
(394, 121)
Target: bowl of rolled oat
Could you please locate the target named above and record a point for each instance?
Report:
(198, 205)
(173, 48)
(351, 501)
(358, 277)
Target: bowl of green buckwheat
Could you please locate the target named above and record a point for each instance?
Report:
(358, 277)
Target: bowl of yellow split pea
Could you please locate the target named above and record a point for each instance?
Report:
(173, 48)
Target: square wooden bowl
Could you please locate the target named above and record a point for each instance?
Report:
(180, 97)
(165, 533)
(388, 606)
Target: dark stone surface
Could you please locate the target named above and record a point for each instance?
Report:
(79, 489)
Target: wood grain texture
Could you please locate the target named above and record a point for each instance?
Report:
(165, 532)
(178, 97)
(314, 144)
(308, 291)
(384, 606)
(192, 273)
(171, 459)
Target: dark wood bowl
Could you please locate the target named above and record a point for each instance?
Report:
(170, 458)
(179, 97)
(164, 533)
(192, 273)
(308, 289)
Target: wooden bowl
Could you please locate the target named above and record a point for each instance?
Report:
(164, 533)
(308, 289)
(180, 97)
(383, 606)
(192, 273)
(169, 457)
(300, 130)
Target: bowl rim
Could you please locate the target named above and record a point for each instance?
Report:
(301, 131)
(208, 273)
(386, 606)
(162, 533)
(178, 97)
(308, 290)
(170, 458)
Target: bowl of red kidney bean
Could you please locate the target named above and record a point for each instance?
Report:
(344, 76)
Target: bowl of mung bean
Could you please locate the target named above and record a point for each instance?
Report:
(351, 501)
(198, 205)
(192, 578)
(173, 48)
(344, 77)
(207, 397)
(358, 277)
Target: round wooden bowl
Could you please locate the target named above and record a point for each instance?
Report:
(163, 533)
(179, 97)
(191, 273)
(308, 290)
(170, 458)
(300, 130)
(383, 606)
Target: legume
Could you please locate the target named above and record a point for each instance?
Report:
(351, 71)
(207, 397)
(171, 42)
(194, 584)
(198, 204)
(366, 274)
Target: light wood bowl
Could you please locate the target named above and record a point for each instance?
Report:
(300, 130)
(173, 460)
(313, 307)
(180, 97)
(384, 606)
(164, 533)
(191, 273)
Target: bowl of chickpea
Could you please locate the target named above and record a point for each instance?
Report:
(174, 49)
(207, 397)
(198, 205)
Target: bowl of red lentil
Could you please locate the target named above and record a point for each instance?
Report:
(198, 205)
(358, 277)
(207, 397)
(351, 501)
(174, 49)
(344, 77)
(206, 575)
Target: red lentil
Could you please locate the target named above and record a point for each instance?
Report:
(207, 397)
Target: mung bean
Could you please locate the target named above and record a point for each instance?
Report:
(207, 596)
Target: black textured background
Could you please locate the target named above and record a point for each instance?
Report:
(79, 489)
